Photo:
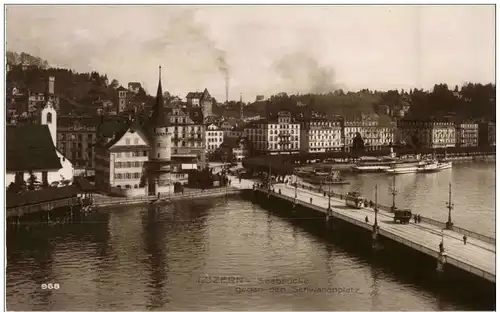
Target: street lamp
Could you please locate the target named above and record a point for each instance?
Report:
(296, 185)
(329, 195)
(449, 205)
(376, 206)
(393, 192)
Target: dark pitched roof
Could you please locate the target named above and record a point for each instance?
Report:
(121, 88)
(134, 127)
(195, 114)
(199, 95)
(30, 147)
(108, 128)
(194, 95)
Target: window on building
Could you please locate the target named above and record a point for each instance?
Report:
(127, 141)
(49, 118)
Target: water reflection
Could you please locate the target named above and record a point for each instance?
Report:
(153, 235)
(138, 258)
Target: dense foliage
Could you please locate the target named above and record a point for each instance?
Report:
(471, 100)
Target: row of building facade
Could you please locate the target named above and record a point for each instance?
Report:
(179, 136)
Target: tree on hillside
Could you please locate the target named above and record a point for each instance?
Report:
(114, 84)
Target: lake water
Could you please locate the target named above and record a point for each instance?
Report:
(136, 258)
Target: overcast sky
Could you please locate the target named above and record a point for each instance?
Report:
(263, 49)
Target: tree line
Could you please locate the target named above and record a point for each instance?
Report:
(471, 101)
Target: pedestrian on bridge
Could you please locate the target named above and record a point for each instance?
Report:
(415, 218)
(419, 219)
(465, 240)
(366, 219)
(311, 200)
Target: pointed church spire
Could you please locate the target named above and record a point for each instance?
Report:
(159, 93)
(159, 118)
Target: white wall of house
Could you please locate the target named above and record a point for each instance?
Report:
(213, 137)
(67, 171)
(126, 167)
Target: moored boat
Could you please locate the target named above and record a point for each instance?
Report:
(434, 166)
(323, 176)
(404, 166)
(373, 164)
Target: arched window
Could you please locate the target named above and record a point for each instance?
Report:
(49, 117)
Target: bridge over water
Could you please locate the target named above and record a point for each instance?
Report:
(476, 257)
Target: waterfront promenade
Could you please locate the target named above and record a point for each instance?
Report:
(476, 257)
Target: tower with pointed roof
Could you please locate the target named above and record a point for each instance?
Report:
(159, 164)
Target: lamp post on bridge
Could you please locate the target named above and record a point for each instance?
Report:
(449, 205)
(296, 185)
(393, 192)
(375, 224)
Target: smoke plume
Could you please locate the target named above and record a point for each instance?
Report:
(302, 73)
(185, 35)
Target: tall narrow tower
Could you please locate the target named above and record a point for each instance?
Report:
(158, 169)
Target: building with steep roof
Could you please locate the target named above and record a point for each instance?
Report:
(201, 99)
(120, 162)
(32, 148)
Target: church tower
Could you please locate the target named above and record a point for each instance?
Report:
(162, 137)
(159, 178)
(49, 118)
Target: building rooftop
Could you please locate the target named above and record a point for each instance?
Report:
(30, 147)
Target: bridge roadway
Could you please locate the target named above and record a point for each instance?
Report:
(476, 257)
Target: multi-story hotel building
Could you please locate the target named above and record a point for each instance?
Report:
(76, 136)
(188, 140)
(428, 133)
(214, 137)
(319, 135)
(280, 135)
(366, 128)
(376, 135)
(467, 134)
(487, 135)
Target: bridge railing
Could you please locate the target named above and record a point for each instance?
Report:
(465, 265)
(468, 233)
(185, 194)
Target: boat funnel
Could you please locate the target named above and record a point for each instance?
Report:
(392, 154)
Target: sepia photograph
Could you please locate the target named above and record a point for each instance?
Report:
(250, 157)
